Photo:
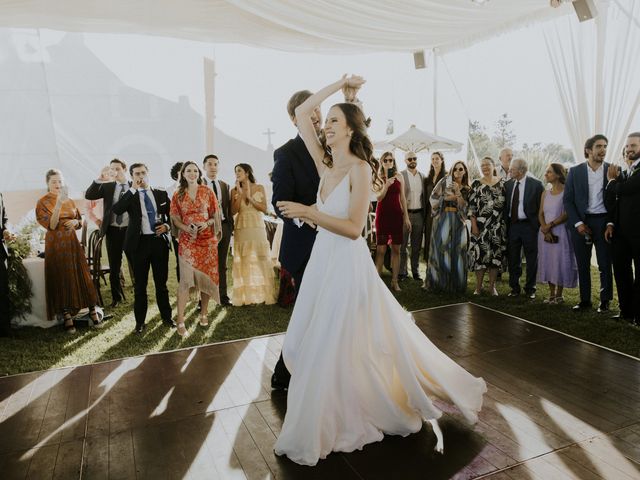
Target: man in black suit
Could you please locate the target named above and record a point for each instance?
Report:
(223, 195)
(295, 178)
(113, 226)
(147, 242)
(521, 213)
(584, 203)
(623, 194)
(5, 307)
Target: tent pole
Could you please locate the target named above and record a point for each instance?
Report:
(209, 102)
(435, 92)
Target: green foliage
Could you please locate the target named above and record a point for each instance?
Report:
(20, 287)
(538, 156)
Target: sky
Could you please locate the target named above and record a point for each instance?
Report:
(507, 74)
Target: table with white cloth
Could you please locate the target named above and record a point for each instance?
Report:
(38, 315)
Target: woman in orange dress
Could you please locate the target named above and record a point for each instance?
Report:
(195, 212)
(253, 276)
(68, 284)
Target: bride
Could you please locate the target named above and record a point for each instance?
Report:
(359, 365)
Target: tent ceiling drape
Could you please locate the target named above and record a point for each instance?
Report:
(329, 26)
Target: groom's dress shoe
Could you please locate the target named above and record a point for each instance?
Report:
(278, 384)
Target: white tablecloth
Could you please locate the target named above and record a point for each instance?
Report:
(38, 315)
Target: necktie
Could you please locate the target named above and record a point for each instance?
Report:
(151, 211)
(215, 190)
(123, 186)
(515, 203)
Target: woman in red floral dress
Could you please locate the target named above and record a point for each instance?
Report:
(195, 212)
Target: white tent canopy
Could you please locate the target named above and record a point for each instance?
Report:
(331, 26)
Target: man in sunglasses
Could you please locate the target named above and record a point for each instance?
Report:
(417, 208)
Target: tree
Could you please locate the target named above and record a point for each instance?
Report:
(504, 135)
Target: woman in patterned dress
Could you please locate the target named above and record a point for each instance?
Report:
(436, 173)
(195, 213)
(447, 269)
(68, 284)
(253, 276)
(488, 242)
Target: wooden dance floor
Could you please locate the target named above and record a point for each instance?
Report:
(556, 408)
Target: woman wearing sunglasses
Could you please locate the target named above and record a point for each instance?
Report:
(391, 215)
(447, 268)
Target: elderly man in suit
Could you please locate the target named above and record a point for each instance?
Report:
(222, 191)
(623, 193)
(5, 307)
(584, 203)
(523, 195)
(113, 226)
(417, 208)
(147, 242)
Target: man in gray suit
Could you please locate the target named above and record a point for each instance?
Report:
(584, 203)
(417, 207)
(523, 195)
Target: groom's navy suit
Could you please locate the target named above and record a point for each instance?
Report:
(295, 178)
(576, 204)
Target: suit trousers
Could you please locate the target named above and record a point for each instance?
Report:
(280, 372)
(626, 252)
(5, 321)
(115, 244)
(152, 252)
(522, 236)
(223, 254)
(415, 239)
(598, 225)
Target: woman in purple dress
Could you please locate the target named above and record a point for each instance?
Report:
(556, 261)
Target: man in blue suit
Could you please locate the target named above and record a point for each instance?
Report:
(523, 195)
(584, 203)
(295, 178)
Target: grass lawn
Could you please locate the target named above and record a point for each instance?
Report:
(34, 349)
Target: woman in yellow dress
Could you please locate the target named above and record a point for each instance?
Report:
(253, 276)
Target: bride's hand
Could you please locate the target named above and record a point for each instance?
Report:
(354, 81)
(293, 209)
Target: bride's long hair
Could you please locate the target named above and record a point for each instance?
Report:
(360, 144)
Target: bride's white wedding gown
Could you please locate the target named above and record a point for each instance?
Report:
(359, 365)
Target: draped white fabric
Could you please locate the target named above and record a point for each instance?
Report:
(597, 74)
(293, 25)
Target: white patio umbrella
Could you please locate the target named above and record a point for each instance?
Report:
(415, 140)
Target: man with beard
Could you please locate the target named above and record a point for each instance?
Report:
(623, 192)
(417, 209)
(585, 205)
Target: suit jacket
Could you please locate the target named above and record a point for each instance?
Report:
(623, 200)
(576, 192)
(4, 253)
(423, 197)
(105, 192)
(295, 178)
(130, 203)
(226, 200)
(533, 189)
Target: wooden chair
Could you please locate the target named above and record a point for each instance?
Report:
(98, 271)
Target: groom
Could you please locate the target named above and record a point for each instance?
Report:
(295, 178)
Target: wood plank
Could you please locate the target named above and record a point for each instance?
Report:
(69, 460)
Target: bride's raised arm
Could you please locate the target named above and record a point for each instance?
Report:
(305, 110)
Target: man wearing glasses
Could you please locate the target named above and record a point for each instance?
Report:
(417, 208)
